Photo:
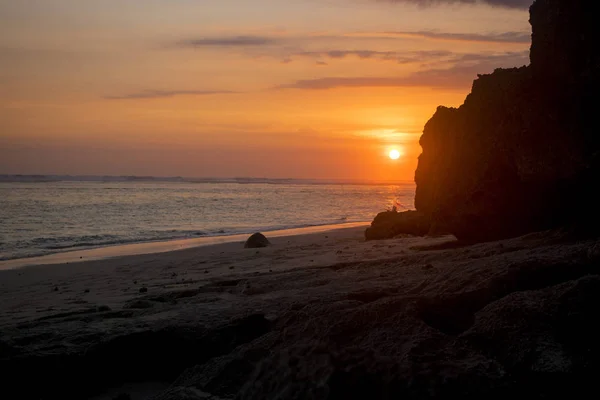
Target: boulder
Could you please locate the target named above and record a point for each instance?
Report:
(390, 224)
(522, 153)
(257, 241)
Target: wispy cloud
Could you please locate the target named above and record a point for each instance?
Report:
(404, 57)
(425, 57)
(286, 49)
(505, 37)
(157, 94)
(249, 43)
(349, 82)
(518, 4)
(458, 76)
(230, 41)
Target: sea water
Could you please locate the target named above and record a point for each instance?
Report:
(40, 218)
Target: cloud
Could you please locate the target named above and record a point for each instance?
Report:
(230, 41)
(506, 37)
(253, 44)
(157, 94)
(362, 54)
(405, 57)
(287, 49)
(458, 76)
(518, 4)
(359, 53)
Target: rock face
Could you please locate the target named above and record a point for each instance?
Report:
(522, 153)
(388, 224)
(256, 241)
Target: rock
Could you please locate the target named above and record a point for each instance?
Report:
(103, 308)
(594, 252)
(139, 304)
(481, 324)
(390, 224)
(256, 241)
(143, 290)
(521, 154)
(6, 350)
(186, 393)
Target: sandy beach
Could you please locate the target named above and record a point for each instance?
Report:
(222, 321)
(35, 291)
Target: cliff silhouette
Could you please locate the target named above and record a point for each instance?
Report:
(522, 153)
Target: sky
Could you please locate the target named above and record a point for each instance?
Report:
(319, 89)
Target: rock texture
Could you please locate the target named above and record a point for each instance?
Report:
(522, 153)
(257, 241)
(496, 320)
(389, 224)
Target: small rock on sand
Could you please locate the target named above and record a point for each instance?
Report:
(256, 241)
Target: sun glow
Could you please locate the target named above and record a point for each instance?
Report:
(394, 154)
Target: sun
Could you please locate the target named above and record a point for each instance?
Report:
(394, 154)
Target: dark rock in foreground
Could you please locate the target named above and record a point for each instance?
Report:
(523, 152)
(256, 241)
(389, 224)
(486, 321)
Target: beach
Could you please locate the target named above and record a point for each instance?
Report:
(315, 315)
(107, 252)
(51, 287)
(155, 285)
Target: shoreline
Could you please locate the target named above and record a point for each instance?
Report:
(158, 247)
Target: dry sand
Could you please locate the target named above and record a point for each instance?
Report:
(290, 320)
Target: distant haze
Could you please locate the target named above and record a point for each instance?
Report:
(319, 89)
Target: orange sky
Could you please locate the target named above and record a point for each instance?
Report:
(222, 88)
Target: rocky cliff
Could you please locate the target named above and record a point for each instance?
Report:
(521, 153)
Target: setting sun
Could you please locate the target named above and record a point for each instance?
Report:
(394, 154)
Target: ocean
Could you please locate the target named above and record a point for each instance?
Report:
(41, 218)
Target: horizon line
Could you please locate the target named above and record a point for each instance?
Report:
(189, 179)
